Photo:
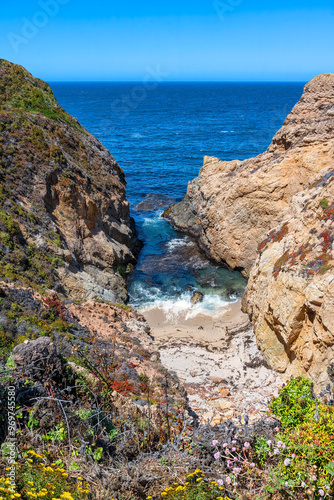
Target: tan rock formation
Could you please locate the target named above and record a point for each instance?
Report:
(232, 205)
(277, 211)
(290, 293)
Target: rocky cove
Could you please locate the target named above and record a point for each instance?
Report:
(69, 247)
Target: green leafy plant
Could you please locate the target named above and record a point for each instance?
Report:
(295, 403)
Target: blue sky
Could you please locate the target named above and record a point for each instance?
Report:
(206, 40)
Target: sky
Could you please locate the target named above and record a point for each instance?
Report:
(169, 40)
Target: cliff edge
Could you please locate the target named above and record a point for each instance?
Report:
(64, 217)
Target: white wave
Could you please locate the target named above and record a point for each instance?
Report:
(173, 308)
(179, 242)
(227, 131)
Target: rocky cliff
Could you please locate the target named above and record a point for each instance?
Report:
(272, 217)
(231, 205)
(64, 217)
(290, 293)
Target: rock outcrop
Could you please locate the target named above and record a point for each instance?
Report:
(272, 217)
(113, 343)
(39, 357)
(231, 205)
(64, 217)
(290, 293)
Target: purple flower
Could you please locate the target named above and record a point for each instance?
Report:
(229, 463)
(234, 441)
(228, 480)
(303, 485)
(217, 455)
(246, 444)
(287, 462)
(321, 493)
(279, 444)
(276, 451)
(269, 442)
(220, 482)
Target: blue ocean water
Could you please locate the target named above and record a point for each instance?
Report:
(159, 136)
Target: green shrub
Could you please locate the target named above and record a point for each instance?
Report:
(295, 403)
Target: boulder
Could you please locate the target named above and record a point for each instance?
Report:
(196, 298)
(38, 357)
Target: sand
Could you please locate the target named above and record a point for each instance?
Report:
(218, 361)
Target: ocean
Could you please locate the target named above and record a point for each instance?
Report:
(159, 135)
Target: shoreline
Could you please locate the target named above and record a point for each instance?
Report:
(218, 362)
(201, 328)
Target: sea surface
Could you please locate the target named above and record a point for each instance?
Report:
(159, 134)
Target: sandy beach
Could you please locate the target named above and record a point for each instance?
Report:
(217, 359)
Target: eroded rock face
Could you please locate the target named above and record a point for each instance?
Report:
(290, 293)
(277, 211)
(231, 205)
(66, 193)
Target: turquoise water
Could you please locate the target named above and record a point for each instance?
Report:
(159, 137)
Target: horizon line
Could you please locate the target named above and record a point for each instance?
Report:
(178, 81)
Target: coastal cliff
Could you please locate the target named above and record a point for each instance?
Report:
(290, 292)
(272, 217)
(64, 218)
(232, 205)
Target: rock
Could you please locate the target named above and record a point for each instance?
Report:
(224, 392)
(216, 380)
(290, 292)
(232, 205)
(71, 194)
(224, 405)
(217, 420)
(38, 357)
(272, 217)
(196, 298)
(153, 201)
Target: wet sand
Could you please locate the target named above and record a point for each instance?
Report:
(217, 359)
(202, 327)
